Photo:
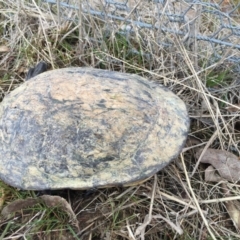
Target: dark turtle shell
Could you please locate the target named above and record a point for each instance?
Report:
(83, 128)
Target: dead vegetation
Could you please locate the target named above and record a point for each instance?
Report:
(179, 202)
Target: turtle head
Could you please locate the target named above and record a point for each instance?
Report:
(40, 68)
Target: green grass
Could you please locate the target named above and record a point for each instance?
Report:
(37, 221)
(218, 78)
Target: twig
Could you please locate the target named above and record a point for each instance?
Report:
(196, 201)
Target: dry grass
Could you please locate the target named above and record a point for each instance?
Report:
(175, 204)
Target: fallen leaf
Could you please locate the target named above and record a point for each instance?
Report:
(22, 213)
(234, 108)
(4, 48)
(233, 207)
(21, 70)
(226, 163)
(50, 201)
(57, 201)
(17, 206)
(228, 167)
(211, 175)
(192, 141)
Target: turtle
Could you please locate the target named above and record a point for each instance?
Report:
(85, 128)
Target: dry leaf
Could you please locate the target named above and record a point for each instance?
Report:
(192, 141)
(226, 163)
(233, 208)
(50, 201)
(4, 48)
(56, 201)
(235, 108)
(21, 70)
(17, 206)
(211, 175)
(24, 217)
(228, 166)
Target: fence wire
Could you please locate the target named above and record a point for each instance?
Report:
(213, 25)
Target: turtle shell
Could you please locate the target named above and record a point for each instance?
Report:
(83, 128)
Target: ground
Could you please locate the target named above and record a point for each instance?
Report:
(179, 202)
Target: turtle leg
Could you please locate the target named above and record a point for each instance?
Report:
(40, 68)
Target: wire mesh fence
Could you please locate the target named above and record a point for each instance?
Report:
(205, 26)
